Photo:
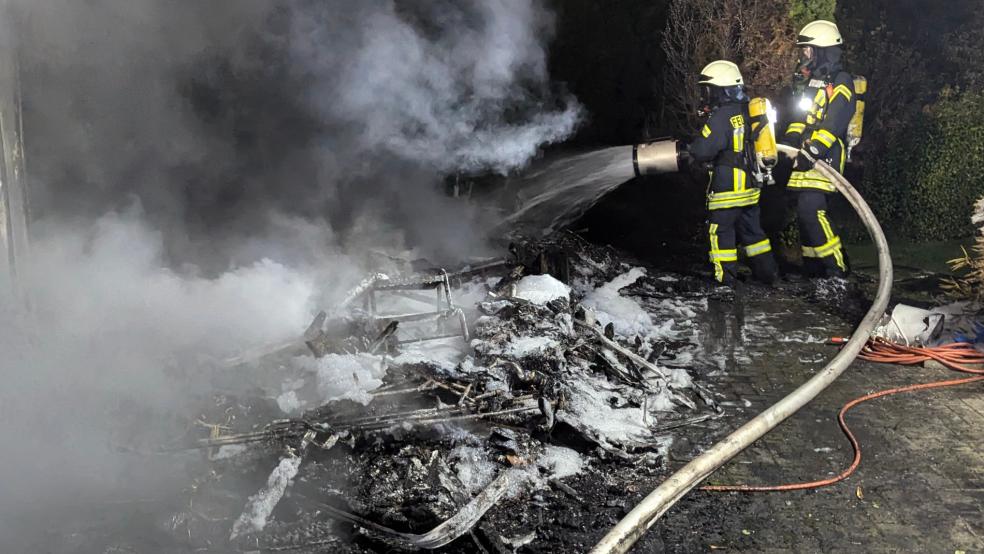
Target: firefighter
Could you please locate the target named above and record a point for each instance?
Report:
(819, 130)
(725, 145)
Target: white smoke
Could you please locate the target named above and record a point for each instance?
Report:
(442, 98)
(97, 371)
(268, 145)
(214, 114)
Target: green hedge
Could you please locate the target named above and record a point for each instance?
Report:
(926, 182)
(805, 11)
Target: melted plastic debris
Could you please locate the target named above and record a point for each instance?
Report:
(408, 437)
(541, 289)
(434, 424)
(961, 322)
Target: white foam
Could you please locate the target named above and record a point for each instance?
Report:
(561, 462)
(260, 505)
(588, 408)
(526, 346)
(540, 289)
(345, 376)
(229, 451)
(474, 467)
(680, 378)
(446, 354)
(625, 314)
(289, 403)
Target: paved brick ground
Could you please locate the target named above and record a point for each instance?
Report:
(920, 487)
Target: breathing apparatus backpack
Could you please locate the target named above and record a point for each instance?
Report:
(856, 128)
(761, 144)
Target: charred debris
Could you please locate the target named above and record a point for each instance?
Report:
(436, 409)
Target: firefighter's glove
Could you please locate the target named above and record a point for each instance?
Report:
(807, 157)
(685, 160)
(790, 140)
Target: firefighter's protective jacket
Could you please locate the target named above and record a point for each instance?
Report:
(822, 128)
(722, 143)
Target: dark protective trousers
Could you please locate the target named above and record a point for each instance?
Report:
(729, 227)
(823, 254)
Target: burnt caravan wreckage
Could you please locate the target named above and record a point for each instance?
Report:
(495, 383)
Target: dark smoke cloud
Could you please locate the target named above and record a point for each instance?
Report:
(206, 175)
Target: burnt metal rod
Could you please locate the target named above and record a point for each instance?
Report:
(683, 423)
(392, 415)
(417, 317)
(482, 415)
(621, 350)
(427, 412)
(428, 339)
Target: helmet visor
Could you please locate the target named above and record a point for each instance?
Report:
(806, 55)
(807, 59)
(707, 97)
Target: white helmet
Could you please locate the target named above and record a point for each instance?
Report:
(821, 34)
(721, 73)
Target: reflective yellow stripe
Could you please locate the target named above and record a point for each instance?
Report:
(722, 203)
(739, 195)
(706, 131)
(842, 90)
(724, 200)
(738, 137)
(830, 248)
(796, 128)
(820, 99)
(758, 248)
(824, 136)
(807, 184)
(740, 179)
(718, 268)
(828, 232)
(833, 245)
(733, 204)
(724, 255)
(810, 180)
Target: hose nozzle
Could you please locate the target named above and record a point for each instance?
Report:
(656, 158)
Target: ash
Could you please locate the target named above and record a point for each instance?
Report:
(471, 410)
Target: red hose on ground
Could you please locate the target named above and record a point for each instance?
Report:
(954, 356)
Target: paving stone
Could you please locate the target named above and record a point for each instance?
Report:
(921, 477)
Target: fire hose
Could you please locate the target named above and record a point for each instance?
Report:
(634, 525)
